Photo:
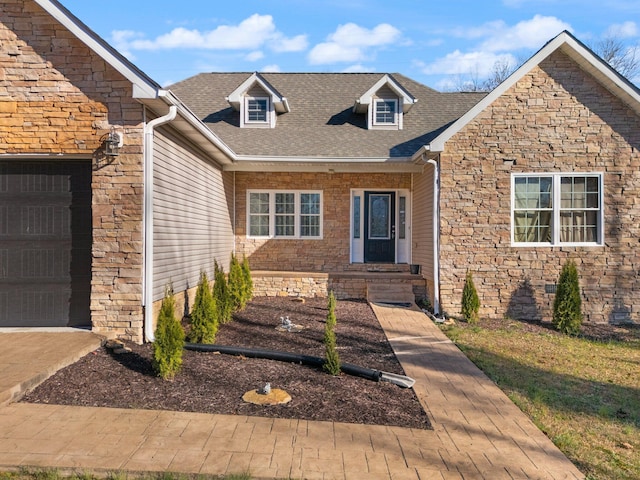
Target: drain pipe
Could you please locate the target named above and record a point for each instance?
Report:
(148, 219)
(436, 236)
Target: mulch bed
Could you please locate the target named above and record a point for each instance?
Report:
(215, 383)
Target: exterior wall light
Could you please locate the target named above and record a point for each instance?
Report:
(112, 144)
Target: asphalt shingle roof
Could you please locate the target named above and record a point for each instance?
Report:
(321, 122)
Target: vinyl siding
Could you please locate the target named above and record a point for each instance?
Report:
(192, 211)
(423, 205)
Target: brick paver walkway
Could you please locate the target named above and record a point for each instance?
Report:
(478, 433)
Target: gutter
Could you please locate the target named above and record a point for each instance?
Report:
(421, 156)
(436, 236)
(148, 219)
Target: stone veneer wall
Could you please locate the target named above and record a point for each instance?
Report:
(331, 253)
(556, 119)
(58, 97)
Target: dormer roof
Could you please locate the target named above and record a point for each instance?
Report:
(363, 103)
(279, 102)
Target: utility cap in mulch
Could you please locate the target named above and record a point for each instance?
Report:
(274, 397)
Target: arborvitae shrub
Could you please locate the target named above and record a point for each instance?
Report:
(248, 281)
(567, 306)
(332, 359)
(470, 300)
(236, 284)
(204, 316)
(221, 294)
(169, 342)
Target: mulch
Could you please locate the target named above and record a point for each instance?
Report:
(214, 383)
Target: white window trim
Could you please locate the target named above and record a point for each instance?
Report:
(555, 230)
(256, 123)
(397, 118)
(297, 215)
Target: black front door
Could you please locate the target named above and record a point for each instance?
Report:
(379, 227)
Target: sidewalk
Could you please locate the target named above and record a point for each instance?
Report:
(478, 433)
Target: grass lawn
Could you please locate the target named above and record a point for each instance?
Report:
(583, 394)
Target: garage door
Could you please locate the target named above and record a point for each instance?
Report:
(45, 244)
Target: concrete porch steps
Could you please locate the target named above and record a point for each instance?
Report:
(383, 292)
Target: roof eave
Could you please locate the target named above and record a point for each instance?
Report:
(246, 163)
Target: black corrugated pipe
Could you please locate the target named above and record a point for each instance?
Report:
(347, 368)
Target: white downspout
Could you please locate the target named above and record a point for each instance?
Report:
(148, 220)
(436, 236)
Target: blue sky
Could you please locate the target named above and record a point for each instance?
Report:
(440, 44)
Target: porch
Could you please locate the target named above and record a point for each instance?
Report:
(362, 280)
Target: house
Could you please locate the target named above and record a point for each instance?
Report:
(112, 187)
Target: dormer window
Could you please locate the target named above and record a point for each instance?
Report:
(386, 112)
(257, 110)
(258, 102)
(385, 104)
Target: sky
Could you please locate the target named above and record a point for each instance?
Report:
(442, 44)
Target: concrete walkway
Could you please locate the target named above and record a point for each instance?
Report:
(478, 433)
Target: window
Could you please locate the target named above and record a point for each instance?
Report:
(557, 209)
(257, 110)
(385, 112)
(284, 214)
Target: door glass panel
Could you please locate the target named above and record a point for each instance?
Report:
(356, 217)
(379, 207)
(403, 218)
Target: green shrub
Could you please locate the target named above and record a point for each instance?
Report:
(236, 285)
(470, 300)
(332, 359)
(169, 342)
(567, 306)
(221, 294)
(248, 280)
(204, 316)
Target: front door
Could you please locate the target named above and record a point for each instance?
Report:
(379, 227)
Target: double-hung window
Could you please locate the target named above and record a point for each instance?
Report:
(557, 209)
(257, 110)
(385, 111)
(284, 214)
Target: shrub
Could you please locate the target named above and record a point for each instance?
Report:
(248, 281)
(332, 359)
(470, 300)
(567, 306)
(236, 285)
(204, 316)
(221, 294)
(169, 342)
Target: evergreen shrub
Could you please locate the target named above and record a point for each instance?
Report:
(567, 306)
(169, 343)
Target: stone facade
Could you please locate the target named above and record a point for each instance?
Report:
(331, 253)
(57, 97)
(556, 118)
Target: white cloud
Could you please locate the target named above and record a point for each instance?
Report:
(358, 68)
(324, 53)
(352, 43)
(458, 63)
(282, 44)
(252, 33)
(530, 34)
(623, 30)
(254, 56)
(121, 39)
(271, 68)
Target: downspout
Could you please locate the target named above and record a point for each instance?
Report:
(148, 219)
(436, 236)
